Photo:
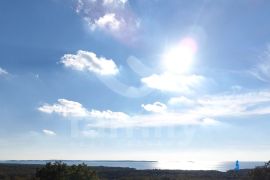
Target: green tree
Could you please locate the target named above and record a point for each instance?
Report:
(61, 171)
(81, 172)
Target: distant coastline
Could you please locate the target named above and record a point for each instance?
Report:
(28, 171)
(148, 165)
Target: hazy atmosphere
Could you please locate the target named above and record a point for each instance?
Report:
(135, 80)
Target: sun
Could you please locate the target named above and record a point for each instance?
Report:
(179, 58)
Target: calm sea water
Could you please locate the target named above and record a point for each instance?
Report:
(172, 165)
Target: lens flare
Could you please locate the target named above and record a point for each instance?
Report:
(179, 58)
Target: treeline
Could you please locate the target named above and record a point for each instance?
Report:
(51, 171)
(61, 171)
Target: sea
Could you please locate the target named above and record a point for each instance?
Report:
(164, 165)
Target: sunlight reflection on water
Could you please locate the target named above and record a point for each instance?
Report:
(168, 165)
(205, 165)
(188, 165)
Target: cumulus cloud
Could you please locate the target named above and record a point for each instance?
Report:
(74, 109)
(112, 16)
(48, 132)
(110, 119)
(65, 108)
(3, 72)
(173, 82)
(88, 61)
(205, 110)
(156, 107)
(108, 21)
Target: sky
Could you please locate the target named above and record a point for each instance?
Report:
(135, 80)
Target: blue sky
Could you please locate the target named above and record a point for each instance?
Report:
(135, 79)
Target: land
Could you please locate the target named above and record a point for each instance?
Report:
(27, 171)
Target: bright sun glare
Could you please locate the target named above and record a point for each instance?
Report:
(179, 58)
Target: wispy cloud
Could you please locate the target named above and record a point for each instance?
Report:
(157, 120)
(3, 71)
(210, 121)
(227, 105)
(112, 16)
(110, 119)
(88, 61)
(198, 111)
(170, 82)
(48, 132)
(262, 70)
(156, 107)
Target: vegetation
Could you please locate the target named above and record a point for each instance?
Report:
(261, 173)
(18, 171)
(60, 171)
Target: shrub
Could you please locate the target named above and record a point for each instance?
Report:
(61, 171)
(261, 173)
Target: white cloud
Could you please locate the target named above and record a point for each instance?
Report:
(156, 107)
(167, 119)
(113, 2)
(204, 111)
(235, 104)
(157, 120)
(110, 119)
(48, 132)
(88, 61)
(112, 16)
(74, 109)
(108, 115)
(241, 104)
(3, 71)
(182, 101)
(65, 108)
(210, 121)
(108, 21)
(173, 82)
